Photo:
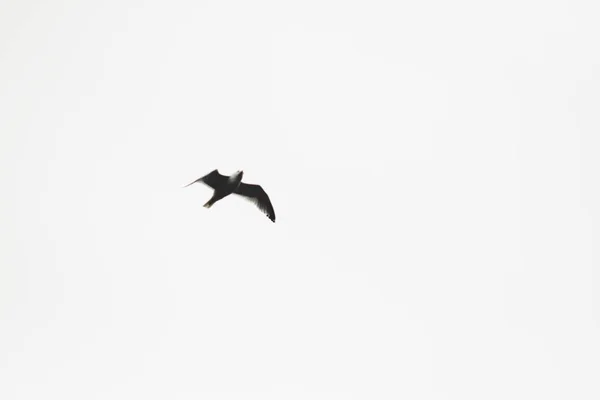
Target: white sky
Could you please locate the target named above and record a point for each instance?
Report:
(433, 166)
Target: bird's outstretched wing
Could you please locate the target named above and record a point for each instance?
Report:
(258, 196)
(213, 179)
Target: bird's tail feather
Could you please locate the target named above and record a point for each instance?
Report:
(208, 204)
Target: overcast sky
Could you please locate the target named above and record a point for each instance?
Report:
(433, 166)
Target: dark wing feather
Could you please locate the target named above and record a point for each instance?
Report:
(213, 179)
(258, 196)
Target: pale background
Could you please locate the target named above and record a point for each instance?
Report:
(434, 167)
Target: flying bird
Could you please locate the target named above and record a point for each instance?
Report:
(224, 185)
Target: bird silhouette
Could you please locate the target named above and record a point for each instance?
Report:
(224, 185)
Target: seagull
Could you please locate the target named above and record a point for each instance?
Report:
(225, 185)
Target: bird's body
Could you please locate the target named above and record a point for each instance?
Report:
(225, 189)
(225, 185)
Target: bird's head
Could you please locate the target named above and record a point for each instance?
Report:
(240, 173)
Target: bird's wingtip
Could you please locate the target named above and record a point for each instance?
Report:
(191, 183)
